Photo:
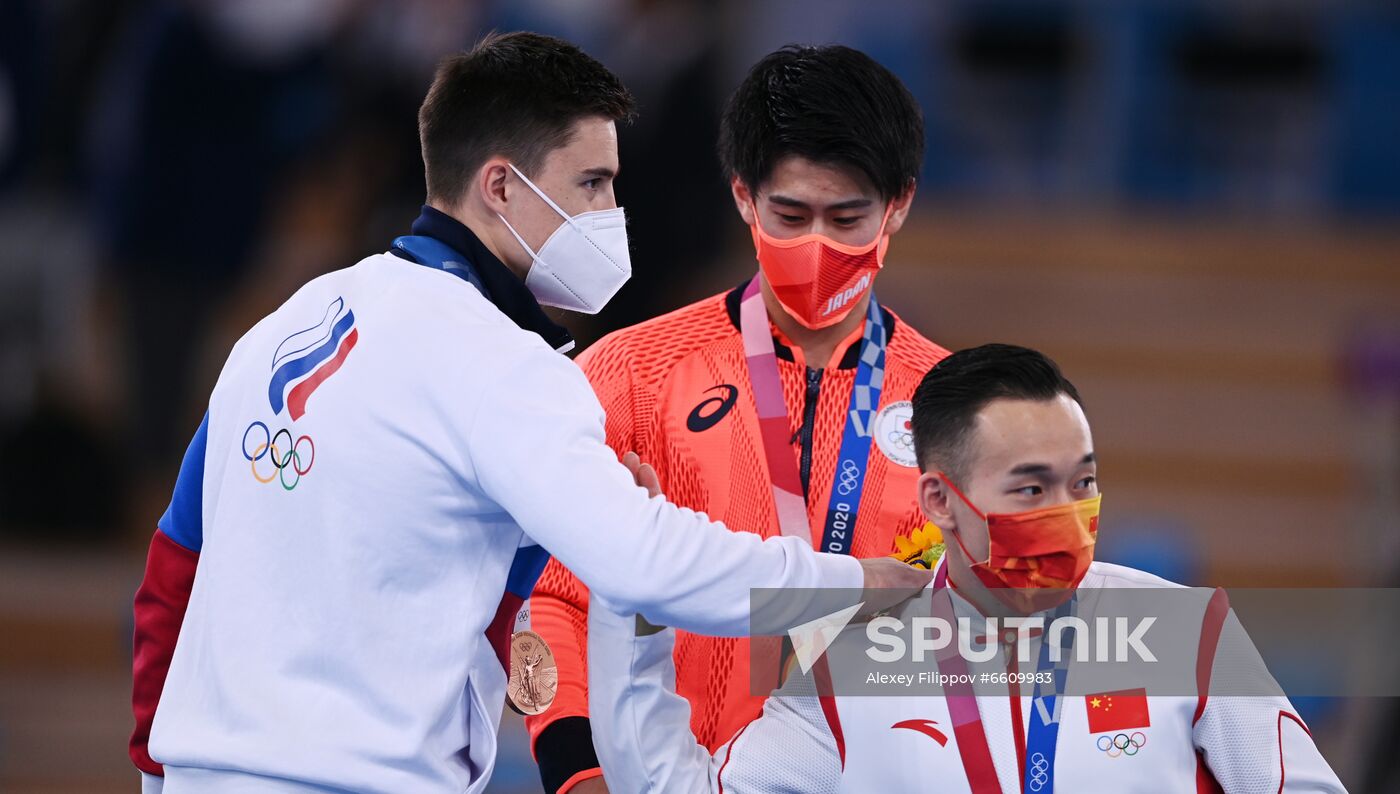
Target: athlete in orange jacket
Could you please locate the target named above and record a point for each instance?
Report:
(833, 142)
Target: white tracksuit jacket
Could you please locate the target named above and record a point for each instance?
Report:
(355, 506)
(641, 731)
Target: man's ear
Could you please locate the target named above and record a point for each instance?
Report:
(899, 210)
(744, 200)
(933, 500)
(490, 185)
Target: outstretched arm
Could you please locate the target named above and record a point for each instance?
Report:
(536, 444)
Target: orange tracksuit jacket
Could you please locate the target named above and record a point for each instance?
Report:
(676, 391)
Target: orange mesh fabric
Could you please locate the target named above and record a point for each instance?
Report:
(650, 378)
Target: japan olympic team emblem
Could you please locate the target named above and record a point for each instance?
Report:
(894, 433)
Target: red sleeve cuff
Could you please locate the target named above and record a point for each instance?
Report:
(159, 609)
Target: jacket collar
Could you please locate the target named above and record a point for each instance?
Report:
(849, 360)
(503, 288)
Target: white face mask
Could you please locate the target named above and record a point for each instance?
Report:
(584, 263)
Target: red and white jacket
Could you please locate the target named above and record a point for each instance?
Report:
(384, 459)
(812, 744)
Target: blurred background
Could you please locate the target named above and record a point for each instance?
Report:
(1193, 206)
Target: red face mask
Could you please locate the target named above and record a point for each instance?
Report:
(816, 279)
(1046, 549)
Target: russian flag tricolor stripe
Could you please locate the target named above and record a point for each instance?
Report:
(296, 400)
(316, 352)
(525, 570)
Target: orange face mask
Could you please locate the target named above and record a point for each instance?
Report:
(1048, 549)
(816, 279)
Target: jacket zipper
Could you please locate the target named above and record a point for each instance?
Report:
(809, 415)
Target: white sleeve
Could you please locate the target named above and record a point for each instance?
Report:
(151, 784)
(537, 446)
(1252, 738)
(788, 750)
(641, 727)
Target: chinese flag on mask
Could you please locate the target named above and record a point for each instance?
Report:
(1117, 711)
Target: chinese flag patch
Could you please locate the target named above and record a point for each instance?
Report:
(1117, 711)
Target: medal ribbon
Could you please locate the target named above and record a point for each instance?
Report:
(1038, 776)
(433, 253)
(775, 429)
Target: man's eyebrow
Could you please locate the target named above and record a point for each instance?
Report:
(1030, 468)
(787, 201)
(1043, 468)
(599, 171)
(849, 204)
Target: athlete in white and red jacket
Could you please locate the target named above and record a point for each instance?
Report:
(389, 458)
(998, 428)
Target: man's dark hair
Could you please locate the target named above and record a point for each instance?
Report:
(516, 95)
(828, 104)
(950, 396)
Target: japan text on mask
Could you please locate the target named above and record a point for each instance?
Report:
(816, 279)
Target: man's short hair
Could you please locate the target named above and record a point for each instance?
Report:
(950, 396)
(829, 104)
(516, 95)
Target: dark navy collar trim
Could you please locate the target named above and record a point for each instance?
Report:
(503, 287)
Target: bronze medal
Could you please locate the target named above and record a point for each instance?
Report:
(534, 678)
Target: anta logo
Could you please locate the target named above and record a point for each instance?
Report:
(925, 727)
(708, 413)
(842, 298)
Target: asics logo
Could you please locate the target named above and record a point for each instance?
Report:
(708, 413)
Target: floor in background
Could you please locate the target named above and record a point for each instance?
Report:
(65, 681)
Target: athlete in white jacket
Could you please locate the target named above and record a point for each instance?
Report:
(1001, 424)
(328, 598)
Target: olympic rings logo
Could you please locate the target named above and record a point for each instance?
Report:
(902, 439)
(284, 456)
(1040, 771)
(849, 477)
(1122, 744)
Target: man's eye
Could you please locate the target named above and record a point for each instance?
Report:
(790, 218)
(846, 222)
(1086, 482)
(593, 183)
(1029, 490)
